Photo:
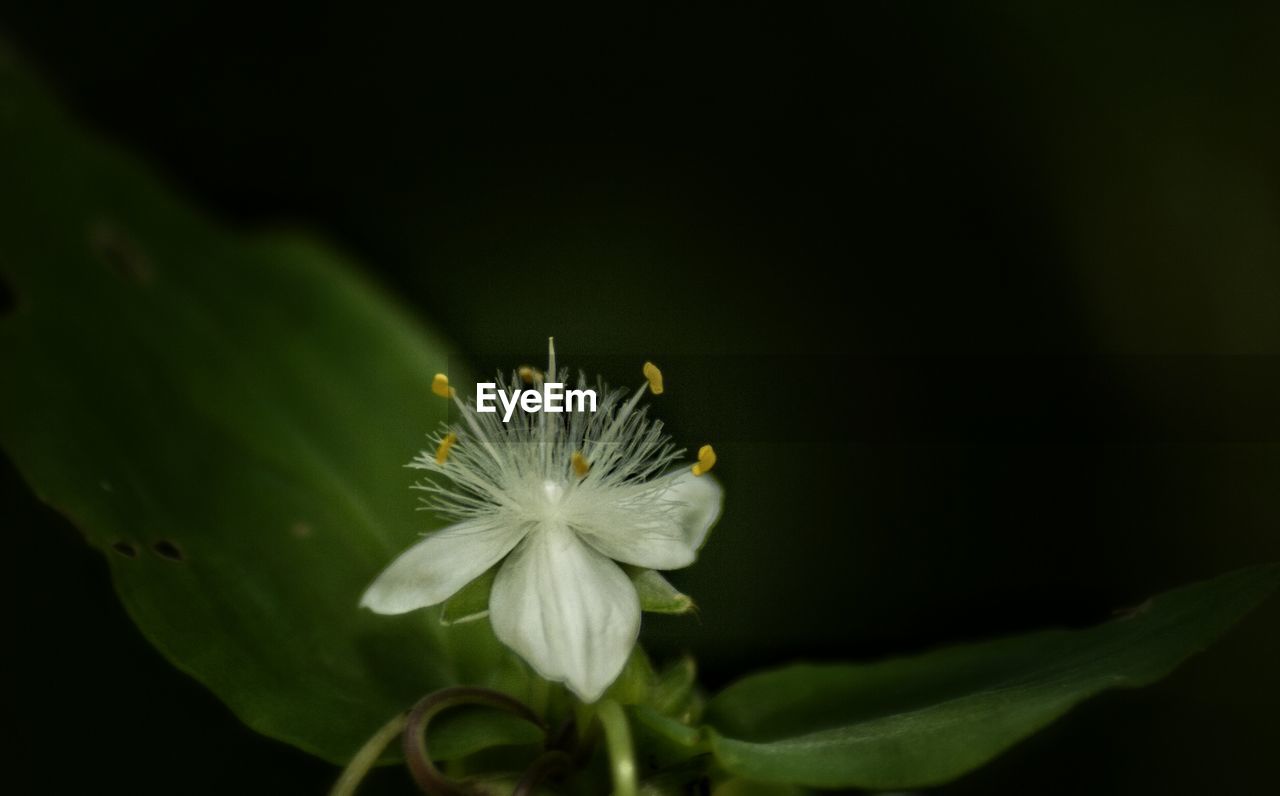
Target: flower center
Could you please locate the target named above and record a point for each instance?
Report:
(552, 506)
(553, 492)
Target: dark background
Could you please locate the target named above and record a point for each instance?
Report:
(979, 305)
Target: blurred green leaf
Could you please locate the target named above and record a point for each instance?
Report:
(225, 416)
(471, 602)
(924, 720)
(467, 730)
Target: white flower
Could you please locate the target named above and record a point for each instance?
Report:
(557, 499)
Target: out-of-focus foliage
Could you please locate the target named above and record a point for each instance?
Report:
(222, 416)
(914, 722)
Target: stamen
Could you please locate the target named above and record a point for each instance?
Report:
(544, 428)
(442, 452)
(654, 376)
(470, 417)
(580, 464)
(440, 386)
(630, 406)
(706, 460)
(527, 374)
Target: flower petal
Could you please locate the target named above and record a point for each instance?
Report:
(660, 529)
(433, 569)
(566, 609)
(700, 498)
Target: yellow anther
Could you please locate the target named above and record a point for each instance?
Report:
(527, 374)
(440, 386)
(654, 376)
(580, 464)
(706, 460)
(442, 452)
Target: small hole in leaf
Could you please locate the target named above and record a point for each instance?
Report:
(167, 549)
(125, 549)
(120, 253)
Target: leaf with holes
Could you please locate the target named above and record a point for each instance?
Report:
(921, 721)
(225, 417)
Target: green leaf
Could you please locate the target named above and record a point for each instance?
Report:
(657, 595)
(465, 731)
(921, 721)
(225, 416)
(471, 602)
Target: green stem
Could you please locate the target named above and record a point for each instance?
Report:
(622, 756)
(364, 759)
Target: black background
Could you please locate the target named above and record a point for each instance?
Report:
(977, 303)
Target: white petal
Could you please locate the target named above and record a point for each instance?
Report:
(568, 610)
(700, 498)
(664, 529)
(433, 569)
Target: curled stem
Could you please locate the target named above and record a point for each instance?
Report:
(368, 754)
(418, 758)
(622, 756)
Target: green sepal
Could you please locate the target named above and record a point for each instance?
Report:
(657, 595)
